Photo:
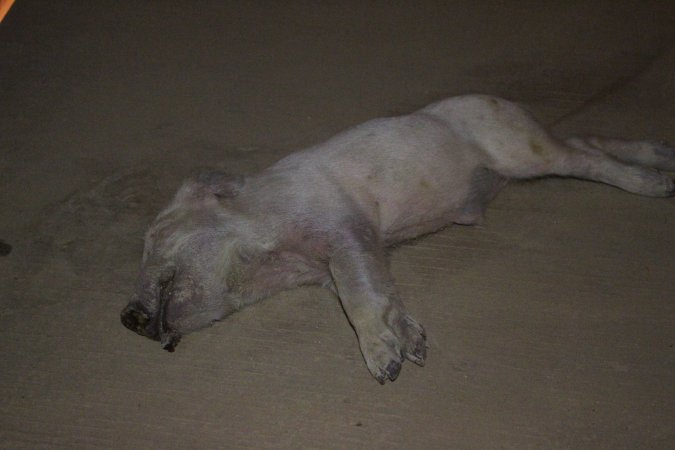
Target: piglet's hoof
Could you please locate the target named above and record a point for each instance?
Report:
(391, 372)
(385, 347)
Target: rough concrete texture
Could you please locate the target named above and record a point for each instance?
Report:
(550, 326)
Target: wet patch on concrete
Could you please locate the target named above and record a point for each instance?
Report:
(5, 248)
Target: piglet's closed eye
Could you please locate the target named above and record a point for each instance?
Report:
(220, 184)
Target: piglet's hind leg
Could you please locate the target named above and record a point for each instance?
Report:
(658, 155)
(606, 169)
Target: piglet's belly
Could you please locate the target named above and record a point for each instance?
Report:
(413, 215)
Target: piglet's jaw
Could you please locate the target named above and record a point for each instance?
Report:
(168, 337)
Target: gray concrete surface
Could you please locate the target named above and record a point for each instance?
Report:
(550, 326)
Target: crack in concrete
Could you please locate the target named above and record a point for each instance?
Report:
(648, 61)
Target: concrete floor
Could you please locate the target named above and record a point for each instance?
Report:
(551, 326)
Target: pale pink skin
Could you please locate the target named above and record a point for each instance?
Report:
(323, 216)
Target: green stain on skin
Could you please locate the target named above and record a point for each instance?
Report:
(235, 278)
(536, 147)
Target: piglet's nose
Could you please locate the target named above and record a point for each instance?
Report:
(138, 321)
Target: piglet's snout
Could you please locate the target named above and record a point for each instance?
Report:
(139, 321)
(144, 313)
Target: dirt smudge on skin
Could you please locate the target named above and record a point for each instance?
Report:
(536, 147)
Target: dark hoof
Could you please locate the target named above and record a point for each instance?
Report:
(389, 373)
(393, 369)
(415, 345)
(418, 354)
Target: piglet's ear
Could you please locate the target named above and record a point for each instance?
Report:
(221, 184)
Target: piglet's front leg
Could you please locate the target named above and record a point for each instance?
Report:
(387, 334)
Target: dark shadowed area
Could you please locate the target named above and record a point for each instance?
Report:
(552, 325)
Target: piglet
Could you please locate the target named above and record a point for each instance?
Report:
(323, 216)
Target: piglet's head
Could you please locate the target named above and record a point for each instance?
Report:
(182, 284)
